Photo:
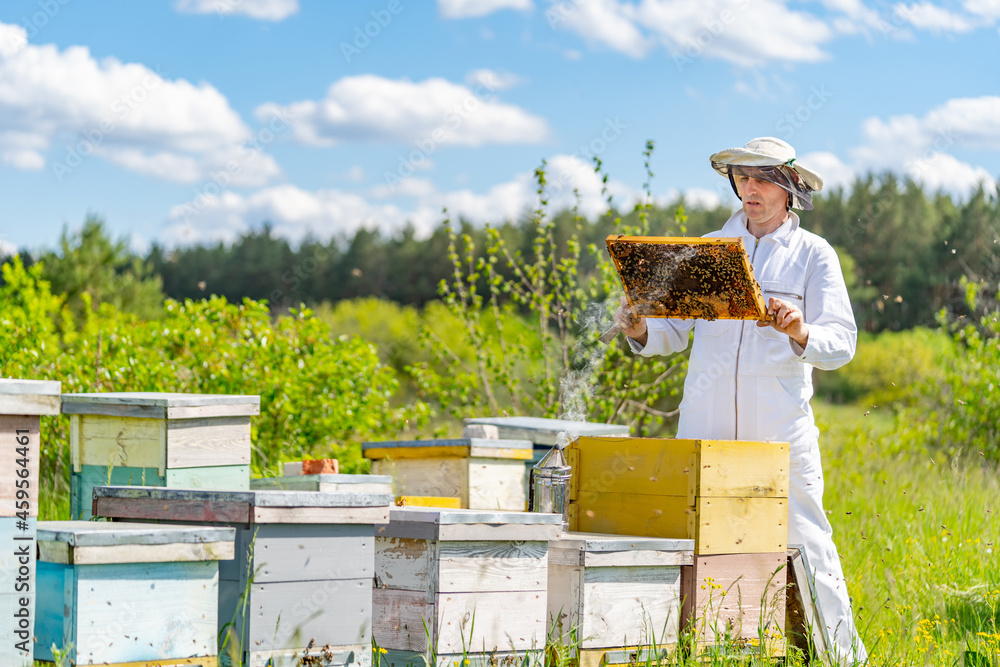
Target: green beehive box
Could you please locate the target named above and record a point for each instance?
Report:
(185, 441)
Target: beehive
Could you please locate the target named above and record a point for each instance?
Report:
(22, 404)
(128, 593)
(619, 595)
(470, 583)
(728, 496)
(187, 441)
(739, 597)
(482, 473)
(680, 277)
(301, 583)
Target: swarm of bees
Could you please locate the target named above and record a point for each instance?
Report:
(688, 278)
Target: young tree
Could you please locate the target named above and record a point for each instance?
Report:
(89, 262)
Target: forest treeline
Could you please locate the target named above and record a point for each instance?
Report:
(903, 250)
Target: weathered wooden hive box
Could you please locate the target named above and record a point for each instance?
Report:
(301, 583)
(482, 473)
(339, 483)
(730, 497)
(542, 432)
(185, 441)
(736, 597)
(22, 404)
(129, 593)
(469, 583)
(616, 598)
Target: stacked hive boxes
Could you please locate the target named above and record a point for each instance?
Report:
(482, 473)
(616, 599)
(456, 584)
(127, 594)
(729, 497)
(22, 403)
(187, 441)
(300, 588)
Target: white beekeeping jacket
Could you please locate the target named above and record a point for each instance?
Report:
(747, 382)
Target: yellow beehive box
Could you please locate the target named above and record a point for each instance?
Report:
(728, 496)
(484, 474)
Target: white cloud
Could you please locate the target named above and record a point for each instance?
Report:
(971, 122)
(604, 22)
(856, 16)
(58, 108)
(493, 79)
(928, 16)
(920, 147)
(944, 172)
(7, 248)
(461, 9)
(429, 113)
(748, 32)
(743, 32)
(831, 169)
(986, 9)
(13, 38)
(264, 10)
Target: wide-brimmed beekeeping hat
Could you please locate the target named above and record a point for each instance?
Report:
(772, 160)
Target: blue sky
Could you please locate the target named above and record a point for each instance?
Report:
(186, 121)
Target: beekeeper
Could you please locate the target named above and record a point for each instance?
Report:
(753, 380)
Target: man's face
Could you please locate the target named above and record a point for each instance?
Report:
(763, 201)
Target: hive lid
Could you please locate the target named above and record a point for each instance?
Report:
(289, 482)
(156, 405)
(146, 503)
(257, 498)
(466, 524)
(104, 533)
(458, 447)
(543, 431)
(29, 397)
(95, 542)
(601, 542)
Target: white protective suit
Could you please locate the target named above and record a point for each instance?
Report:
(747, 382)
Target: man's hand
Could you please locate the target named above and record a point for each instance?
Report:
(633, 325)
(788, 319)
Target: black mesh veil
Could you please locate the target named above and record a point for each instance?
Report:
(799, 194)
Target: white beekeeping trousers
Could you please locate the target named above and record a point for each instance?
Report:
(808, 526)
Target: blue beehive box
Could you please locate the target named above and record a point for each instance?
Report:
(129, 593)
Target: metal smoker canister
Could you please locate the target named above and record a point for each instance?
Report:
(548, 490)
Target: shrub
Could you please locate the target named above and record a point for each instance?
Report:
(320, 394)
(886, 367)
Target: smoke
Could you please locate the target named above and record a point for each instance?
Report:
(576, 386)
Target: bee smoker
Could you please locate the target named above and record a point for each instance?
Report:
(548, 487)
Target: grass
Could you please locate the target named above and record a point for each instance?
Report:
(918, 538)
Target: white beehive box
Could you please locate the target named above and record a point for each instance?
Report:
(468, 582)
(22, 404)
(620, 595)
